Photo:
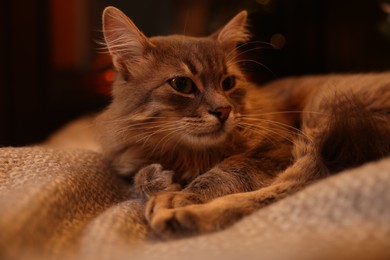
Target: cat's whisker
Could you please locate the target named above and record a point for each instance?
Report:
(258, 130)
(144, 119)
(167, 137)
(187, 15)
(273, 122)
(147, 129)
(270, 135)
(171, 132)
(281, 126)
(140, 126)
(285, 112)
(126, 129)
(149, 123)
(238, 54)
(291, 129)
(257, 62)
(153, 129)
(271, 131)
(165, 129)
(235, 50)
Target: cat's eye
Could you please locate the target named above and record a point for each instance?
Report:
(182, 84)
(228, 83)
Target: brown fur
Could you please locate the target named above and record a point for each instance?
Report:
(228, 169)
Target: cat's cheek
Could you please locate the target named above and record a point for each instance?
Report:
(229, 125)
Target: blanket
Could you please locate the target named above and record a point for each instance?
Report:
(68, 204)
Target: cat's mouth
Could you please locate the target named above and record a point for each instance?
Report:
(207, 133)
(208, 138)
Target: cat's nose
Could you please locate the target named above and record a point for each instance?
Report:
(222, 113)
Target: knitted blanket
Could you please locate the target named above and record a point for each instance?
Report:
(67, 204)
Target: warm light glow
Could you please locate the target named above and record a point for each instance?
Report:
(263, 2)
(278, 41)
(109, 75)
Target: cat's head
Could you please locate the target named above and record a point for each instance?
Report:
(180, 88)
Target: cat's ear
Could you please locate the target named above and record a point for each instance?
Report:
(234, 32)
(124, 40)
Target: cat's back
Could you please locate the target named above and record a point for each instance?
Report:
(301, 90)
(331, 80)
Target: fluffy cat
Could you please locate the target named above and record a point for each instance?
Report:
(207, 147)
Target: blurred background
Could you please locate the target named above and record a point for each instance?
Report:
(51, 70)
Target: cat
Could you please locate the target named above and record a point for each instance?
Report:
(206, 147)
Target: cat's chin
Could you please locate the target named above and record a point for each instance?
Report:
(205, 140)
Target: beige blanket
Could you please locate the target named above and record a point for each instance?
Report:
(67, 204)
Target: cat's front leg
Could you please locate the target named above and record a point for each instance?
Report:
(170, 200)
(239, 173)
(203, 218)
(211, 184)
(224, 211)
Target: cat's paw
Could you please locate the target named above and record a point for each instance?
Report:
(176, 223)
(170, 200)
(153, 179)
(185, 221)
(202, 218)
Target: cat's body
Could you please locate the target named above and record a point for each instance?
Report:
(183, 108)
(141, 146)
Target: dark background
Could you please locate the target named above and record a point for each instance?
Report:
(51, 70)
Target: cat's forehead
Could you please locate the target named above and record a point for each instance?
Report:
(198, 54)
(186, 43)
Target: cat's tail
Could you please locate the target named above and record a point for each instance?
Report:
(355, 134)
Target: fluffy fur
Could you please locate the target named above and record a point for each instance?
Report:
(210, 156)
